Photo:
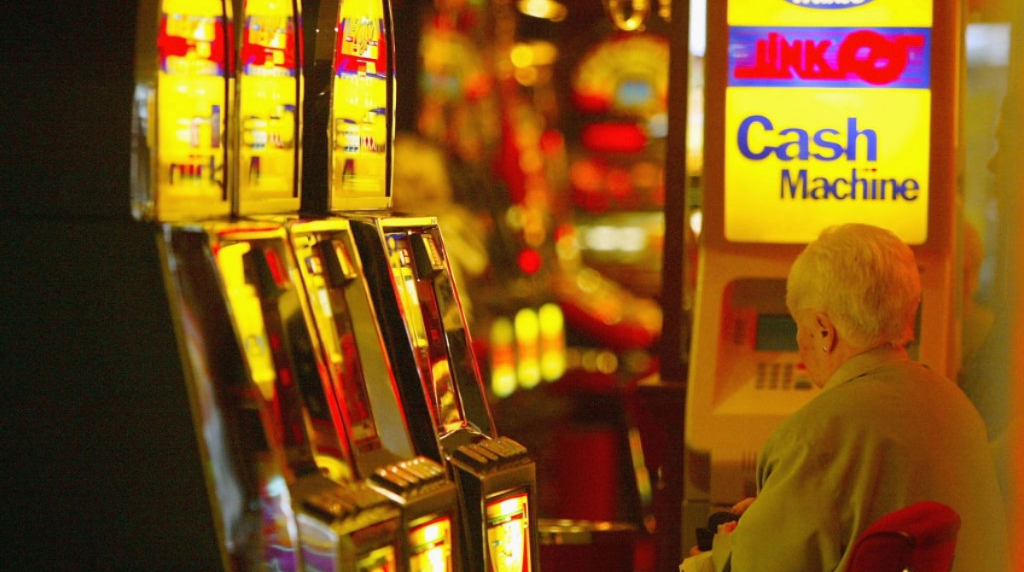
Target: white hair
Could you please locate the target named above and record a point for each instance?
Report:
(864, 278)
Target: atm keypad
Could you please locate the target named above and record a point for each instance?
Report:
(784, 376)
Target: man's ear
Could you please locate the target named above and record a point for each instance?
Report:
(826, 328)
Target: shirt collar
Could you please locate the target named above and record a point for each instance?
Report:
(866, 362)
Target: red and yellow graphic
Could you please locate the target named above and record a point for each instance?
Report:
(191, 102)
(360, 102)
(268, 102)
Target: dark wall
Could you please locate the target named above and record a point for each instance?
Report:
(100, 462)
(65, 108)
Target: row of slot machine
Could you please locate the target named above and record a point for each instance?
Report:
(339, 410)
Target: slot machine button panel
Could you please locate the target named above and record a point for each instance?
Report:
(471, 457)
(501, 449)
(390, 480)
(330, 504)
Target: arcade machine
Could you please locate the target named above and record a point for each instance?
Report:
(242, 333)
(422, 324)
(817, 114)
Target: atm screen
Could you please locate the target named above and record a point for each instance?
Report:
(775, 333)
(508, 525)
(430, 546)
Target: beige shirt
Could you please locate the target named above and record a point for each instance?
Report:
(884, 433)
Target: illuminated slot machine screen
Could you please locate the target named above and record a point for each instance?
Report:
(181, 124)
(430, 546)
(426, 329)
(508, 533)
(379, 560)
(269, 94)
(361, 127)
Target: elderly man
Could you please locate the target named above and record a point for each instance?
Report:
(884, 432)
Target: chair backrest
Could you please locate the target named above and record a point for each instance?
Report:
(918, 538)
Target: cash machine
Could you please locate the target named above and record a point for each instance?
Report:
(216, 139)
(347, 174)
(817, 113)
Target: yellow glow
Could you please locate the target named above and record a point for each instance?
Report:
(521, 55)
(358, 128)
(507, 507)
(538, 53)
(430, 546)
(552, 328)
(248, 317)
(379, 560)
(544, 9)
(507, 540)
(268, 103)
(192, 110)
(503, 360)
(527, 331)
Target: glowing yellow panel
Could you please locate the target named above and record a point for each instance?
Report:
(799, 160)
(191, 104)
(430, 546)
(379, 560)
(268, 102)
(508, 534)
(360, 101)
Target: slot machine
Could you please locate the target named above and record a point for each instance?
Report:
(309, 521)
(359, 406)
(439, 389)
(801, 134)
(350, 92)
(217, 136)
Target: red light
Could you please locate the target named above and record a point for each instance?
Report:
(276, 268)
(529, 261)
(552, 142)
(285, 375)
(614, 138)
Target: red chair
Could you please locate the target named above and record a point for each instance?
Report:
(919, 538)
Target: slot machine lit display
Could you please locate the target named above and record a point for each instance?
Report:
(270, 91)
(362, 397)
(182, 102)
(431, 546)
(818, 113)
(620, 86)
(361, 100)
(508, 533)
